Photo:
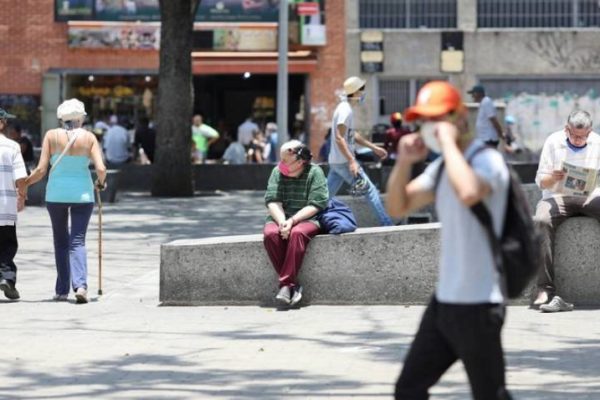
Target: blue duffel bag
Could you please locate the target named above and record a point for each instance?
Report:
(337, 218)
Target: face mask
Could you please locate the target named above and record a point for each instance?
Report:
(361, 99)
(283, 168)
(286, 170)
(427, 131)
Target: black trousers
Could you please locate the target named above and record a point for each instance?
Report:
(8, 250)
(449, 332)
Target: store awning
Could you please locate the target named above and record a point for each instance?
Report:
(299, 62)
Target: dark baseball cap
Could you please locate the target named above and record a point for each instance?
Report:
(5, 115)
(477, 89)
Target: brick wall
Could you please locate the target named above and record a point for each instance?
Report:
(31, 42)
(330, 73)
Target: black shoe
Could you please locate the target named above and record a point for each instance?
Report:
(9, 289)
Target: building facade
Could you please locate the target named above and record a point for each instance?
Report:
(540, 58)
(106, 53)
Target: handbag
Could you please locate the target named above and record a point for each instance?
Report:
(64, 152)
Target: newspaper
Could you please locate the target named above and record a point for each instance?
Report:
(578, 181)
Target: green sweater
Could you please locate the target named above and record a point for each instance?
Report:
(310, 188)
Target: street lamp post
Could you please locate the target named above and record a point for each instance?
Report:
(282, 75)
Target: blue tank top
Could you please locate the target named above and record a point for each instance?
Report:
(71, 181)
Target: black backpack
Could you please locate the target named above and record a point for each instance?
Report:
(517, 253)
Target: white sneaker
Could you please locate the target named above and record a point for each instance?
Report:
(81, 295)
(284, 295)
(556, 304)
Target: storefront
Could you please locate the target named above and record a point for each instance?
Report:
(106, 53)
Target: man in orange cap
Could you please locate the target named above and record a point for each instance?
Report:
(393, 135)
(465, 316)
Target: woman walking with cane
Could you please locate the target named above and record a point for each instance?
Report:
(70, 191)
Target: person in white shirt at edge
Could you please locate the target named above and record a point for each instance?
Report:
(487, 126)
(578, 145)
(343, 166)
(116, 144)
(12, 199)
(246, 132)
(465, 316)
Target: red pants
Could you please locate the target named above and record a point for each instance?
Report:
(287, 255)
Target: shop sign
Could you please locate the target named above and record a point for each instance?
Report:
(307, 8)
(138, 37)
(149, 10)
(104, 91)
(371, 52)
(311, 22)
(239, 39)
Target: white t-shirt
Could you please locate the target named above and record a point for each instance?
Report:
(245, 132)
(556, 150)
(467, 273)
(12, 168)
(484, 127)
(343, 115)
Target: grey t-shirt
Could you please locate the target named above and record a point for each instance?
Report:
(483, 126)
(343, 115)
(467, 274)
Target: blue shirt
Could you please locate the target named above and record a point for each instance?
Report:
(71, 181)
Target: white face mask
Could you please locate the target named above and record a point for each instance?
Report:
(428, 130)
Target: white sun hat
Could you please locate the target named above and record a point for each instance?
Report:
(352, 84)
(71, 109)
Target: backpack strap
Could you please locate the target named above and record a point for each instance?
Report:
(438, 175)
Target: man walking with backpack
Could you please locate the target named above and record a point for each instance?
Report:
(465, 316)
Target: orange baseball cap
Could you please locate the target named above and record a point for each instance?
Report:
(434, 99)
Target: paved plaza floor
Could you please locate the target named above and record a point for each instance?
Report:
(123, 345)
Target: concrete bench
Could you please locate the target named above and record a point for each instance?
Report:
(391, 265)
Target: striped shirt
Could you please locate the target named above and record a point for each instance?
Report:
(310, 188)
(12, 168)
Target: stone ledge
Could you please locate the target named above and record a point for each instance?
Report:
(391, 265)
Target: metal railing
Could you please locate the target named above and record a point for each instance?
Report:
(407, 14)
(538, 13)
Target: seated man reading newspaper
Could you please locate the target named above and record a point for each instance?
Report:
(568, 176)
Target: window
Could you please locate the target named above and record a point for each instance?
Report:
(399, 94)
(407, 14)
(538, 13)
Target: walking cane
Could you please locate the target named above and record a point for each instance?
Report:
(99, 242)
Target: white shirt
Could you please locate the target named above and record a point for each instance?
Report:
(484, 127)
(467, 273)
(116, 144)
(245, 132)
(343, 115)
(12, 168)
(556, 150)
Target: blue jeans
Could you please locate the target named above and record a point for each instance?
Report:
(69, 247)
(340, 173)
